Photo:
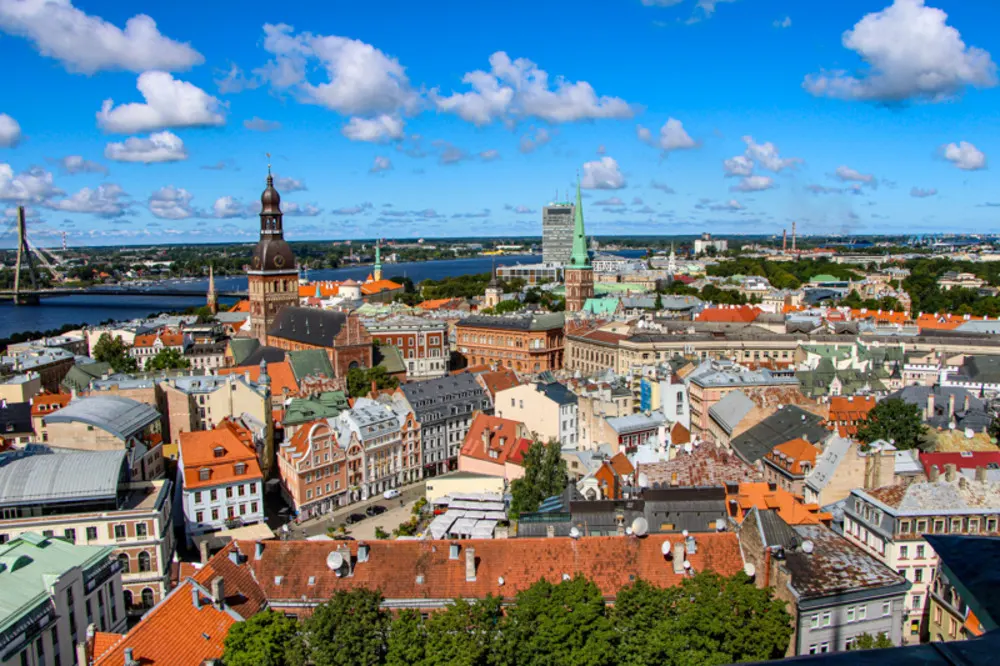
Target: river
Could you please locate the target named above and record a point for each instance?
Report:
(55, 312)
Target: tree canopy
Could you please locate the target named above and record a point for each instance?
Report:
(894, 421)
(263, 640)
(168, 359)
(869, 642)
(359, 380)
(544, 476)
(113, 350)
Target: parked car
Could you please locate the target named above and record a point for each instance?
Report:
(375, 509)
(355, 518)
(392, 493)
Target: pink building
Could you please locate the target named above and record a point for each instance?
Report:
(313, 469)
(494, 446)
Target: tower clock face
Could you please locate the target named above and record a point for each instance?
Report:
(279, 261)
(256, 262)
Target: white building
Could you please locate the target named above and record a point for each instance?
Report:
(548, 409)
(706, 242)
(219, 479)
(376, 428)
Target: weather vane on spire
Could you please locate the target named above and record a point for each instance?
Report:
(268, 163)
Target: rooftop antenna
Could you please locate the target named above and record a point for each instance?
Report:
(268, 163)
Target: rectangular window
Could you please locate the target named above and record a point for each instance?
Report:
(886, 608)
(213, 494)
(824, 647)
(140, 529)
(850, 614)
(70, 534)
(918, 575)
(813, 648)
(253, 488)
(920, 552)
(914, 627)
(921, 526)
(973, 525)
(939, 526)
(253, 507)
(215, 514)
(918, 601)
(242, 490)
(119, 532)
(956, 525)
(197, 497)
(229, 491)
(904, 552)
(198, 516)
(91, 533)
(862, 613)
(991, 525)
(826, 619)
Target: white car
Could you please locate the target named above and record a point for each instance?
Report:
(392, 493)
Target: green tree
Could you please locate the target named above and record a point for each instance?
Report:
(114, 351)
(559, 624)
(359, 380)
(351, 629)
(869, 642)
(893, 420)
(464, 634)
(544, 476)
(168, 359)
(263, 640)
(994, 430)
(380, 533)
(639, 610)
(658, 303)
(407, 637)
(503, 307)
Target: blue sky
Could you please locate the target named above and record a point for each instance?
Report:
(141, 122)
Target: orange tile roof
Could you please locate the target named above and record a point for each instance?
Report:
(499, 380)
(790, 507)
(394, 566)
(439, 303)
(103, 641)
(46, 403)
(796, 451)
(501, 438)
(376, 286)
(620, 463)
(168, 338)
(280, 373)
(942, 322)
(326, 289)
(850, 409)
(743, 314)
(176, 633)
(241, 306)
(220, 450)
(882, 317)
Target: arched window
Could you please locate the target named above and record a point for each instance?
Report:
(128, 598)
(147, 597)
(144, 561)
(123, 559)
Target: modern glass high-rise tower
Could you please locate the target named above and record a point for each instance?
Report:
(557, 233)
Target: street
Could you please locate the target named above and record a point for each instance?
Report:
(365, 529)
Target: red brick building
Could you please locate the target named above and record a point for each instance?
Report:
(273, 279)
(342, 336)
(423, 343)
(527, 344)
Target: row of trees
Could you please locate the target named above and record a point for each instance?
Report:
(708, 619)
(114, 351)
(782, 274)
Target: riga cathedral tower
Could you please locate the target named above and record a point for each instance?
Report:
(273, 277)
(579, 274)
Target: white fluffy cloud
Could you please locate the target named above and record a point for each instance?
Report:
(10, 131)
(489, 155)
(169, 103)
(380, 164)
(923, 192)
(228, 207)
(88, 44)
(847, 174)
(107, 201)
(533, 140)
(256, 124)
(31, 186)
(293, 209)
(158, 147)
(672, 136)
(783, 23)
(602, 174)
(287, 184)
(362, 80)
(912, 53)
(754, 184)
(74, 164)
(171, 203)
(964, 155)
(379, 129)
(519, 89)
(766, 155)
(738, 166)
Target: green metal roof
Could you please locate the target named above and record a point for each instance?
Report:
(80, 376)
(28, 567)
(579, 258)
(242, 348)
(390, 358)
(310, 363)
(601, 306)
(324, 406)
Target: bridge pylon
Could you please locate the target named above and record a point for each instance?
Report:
(24, 257)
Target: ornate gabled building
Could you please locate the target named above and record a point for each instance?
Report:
(273, 277)
(579, 273)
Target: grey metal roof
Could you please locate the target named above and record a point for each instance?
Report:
(636, 422)
(122, 417)
(729, 411)
(980, 369)
(558, 393)
(437, 399)
(827, 462)
(789, 422)
(61, 477)
(774, 530)
(975, 417)
(541, 322)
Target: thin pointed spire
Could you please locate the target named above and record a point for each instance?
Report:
(579, 258)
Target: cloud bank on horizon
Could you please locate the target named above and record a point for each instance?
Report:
(860, 116)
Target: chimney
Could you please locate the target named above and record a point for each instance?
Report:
(951, 405)
(363, 551)
(949, 472)
(345, 551)
(258, 550)
(550, 531)
(981, 474)
(679, 557)
(965, 404)
(486, 440)
(930, 405)
(130, 657)
(203, 551)
(219, 592)
(470, 564)
(933, 474)
(81, 653)
(374, 386)
(195, 597)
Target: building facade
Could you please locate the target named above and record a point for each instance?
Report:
(273, 279)
(579, 272)
(528, 344)
(313, 469)
(548, 410)
(341, 335)
(557, 233)
(423, 343)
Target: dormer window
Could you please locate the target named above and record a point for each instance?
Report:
(204, 474)
(240, 468)
(218, 452)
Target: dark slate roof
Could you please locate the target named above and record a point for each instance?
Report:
(436, 400)
(541, 322)
(970, 563)
(310, 326)
(835, 566)
(775, 531)
(15, 417)
(558, 393)
(268, 354)
(980, 369)
(787, 423)
(976, 417)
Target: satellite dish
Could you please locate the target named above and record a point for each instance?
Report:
(720, 525)
(687, 565)
(951, 426)
(500, 580)
(969, 433)
(574, 533)
(665, 547)
(640, 527)
(807, 546)
(749, 569)
(628, 531)
(684, 534)
(334, 561)
(565, 576)
(688, 448)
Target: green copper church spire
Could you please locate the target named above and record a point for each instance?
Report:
(579, 258)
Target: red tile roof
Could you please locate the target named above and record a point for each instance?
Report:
(850, 409)
(706, 465)
(502, 441)
(46, 403)
(743, 314)
(620, 463)
(967, 460)
(792, 509)
(376, 286)
(167, 338)
(175, 633)
(679, 434)
(499, 380)
(394, 566)
(792, 454)
(241, 306)
(440, 304)
(280, 373)
(103, 641)
(219, 450)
